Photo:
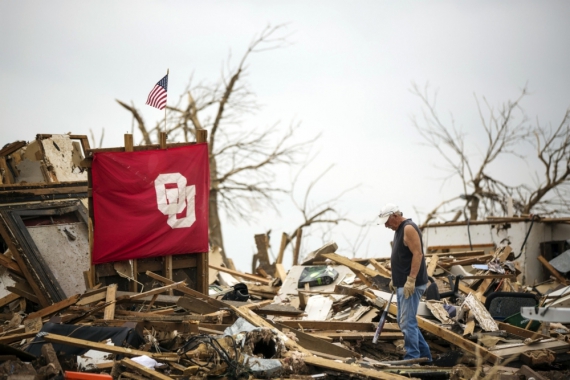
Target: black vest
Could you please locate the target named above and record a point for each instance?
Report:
(401, 259)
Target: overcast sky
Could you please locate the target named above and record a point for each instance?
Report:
(347, 75)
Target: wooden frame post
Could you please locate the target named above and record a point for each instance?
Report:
(202, 259)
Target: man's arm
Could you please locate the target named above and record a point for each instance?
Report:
(412, 241)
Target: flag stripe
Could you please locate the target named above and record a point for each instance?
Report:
(158, 94)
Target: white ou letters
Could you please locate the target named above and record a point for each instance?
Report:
(172, 201)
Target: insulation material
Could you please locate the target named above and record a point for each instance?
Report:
(318, 308)
(30, 172)
(439, 312)
(5, 281)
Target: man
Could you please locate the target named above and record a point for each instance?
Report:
(409, 278)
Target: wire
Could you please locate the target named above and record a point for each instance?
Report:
(235, 369)
(469, 234)
(532, 218)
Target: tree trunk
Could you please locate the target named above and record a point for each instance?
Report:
(215, 226)
(474, 208)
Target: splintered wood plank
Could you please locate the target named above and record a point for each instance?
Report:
(469, 261)
(246, 276)
(297, 248)
(384, 272)
(457, 254)
(10, 264)
(552, 270)
(359, 335)
(24, 293)
(92, 296)
(153, 374)
(504, 253)
(167, 270)
(432, 265)
(110, 298)
(317, 346)
(458, 340)
(284, 241)
(17, 337)
(351, 264)
(55, 338)
(187, 290)
(9, 298)
(152, 292)
(351, 368)
(280, 271)
(362, 278)
(54, 308)
(338, 325)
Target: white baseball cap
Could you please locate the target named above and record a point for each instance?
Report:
(387, 210)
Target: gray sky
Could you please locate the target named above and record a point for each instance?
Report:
(347, 75)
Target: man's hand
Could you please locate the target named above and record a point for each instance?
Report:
(409, 287)
(392, 287)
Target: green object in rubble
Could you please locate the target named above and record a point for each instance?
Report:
(317, 276)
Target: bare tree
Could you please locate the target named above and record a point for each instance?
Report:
(505, 129)
(321, 215)
(243, 160)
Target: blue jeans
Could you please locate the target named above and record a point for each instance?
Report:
(414, 342)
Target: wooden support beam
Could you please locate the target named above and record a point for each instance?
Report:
(246, 276)
(167, 270)
(8, 239)
(148, 372)
(432, 265)
(469, 261)
(284, 240)
(54, 308)
(54, 338)
(280, 271)
(552, 270)
(351, 264)
(187, 290)
(152, 292)
(110, 298)
(92, 296)
(128, 142)
(351, 369)
(297, 249)
(24, 292)
(384, 272)
(355, 335)
(10, 264)
(9, 298)
(133, 285)
(162, 139)
(458, 340)
(456, 254)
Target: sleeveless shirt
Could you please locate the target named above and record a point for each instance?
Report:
(401, 258)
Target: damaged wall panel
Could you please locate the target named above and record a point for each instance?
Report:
(17, 225)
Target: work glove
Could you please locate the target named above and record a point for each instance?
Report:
(409, 287)
(392, 287)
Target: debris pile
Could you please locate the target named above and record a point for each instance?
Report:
(318, 319)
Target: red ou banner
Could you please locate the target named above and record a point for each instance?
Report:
(150, 203)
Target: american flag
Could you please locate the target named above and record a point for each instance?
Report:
(157, 97)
